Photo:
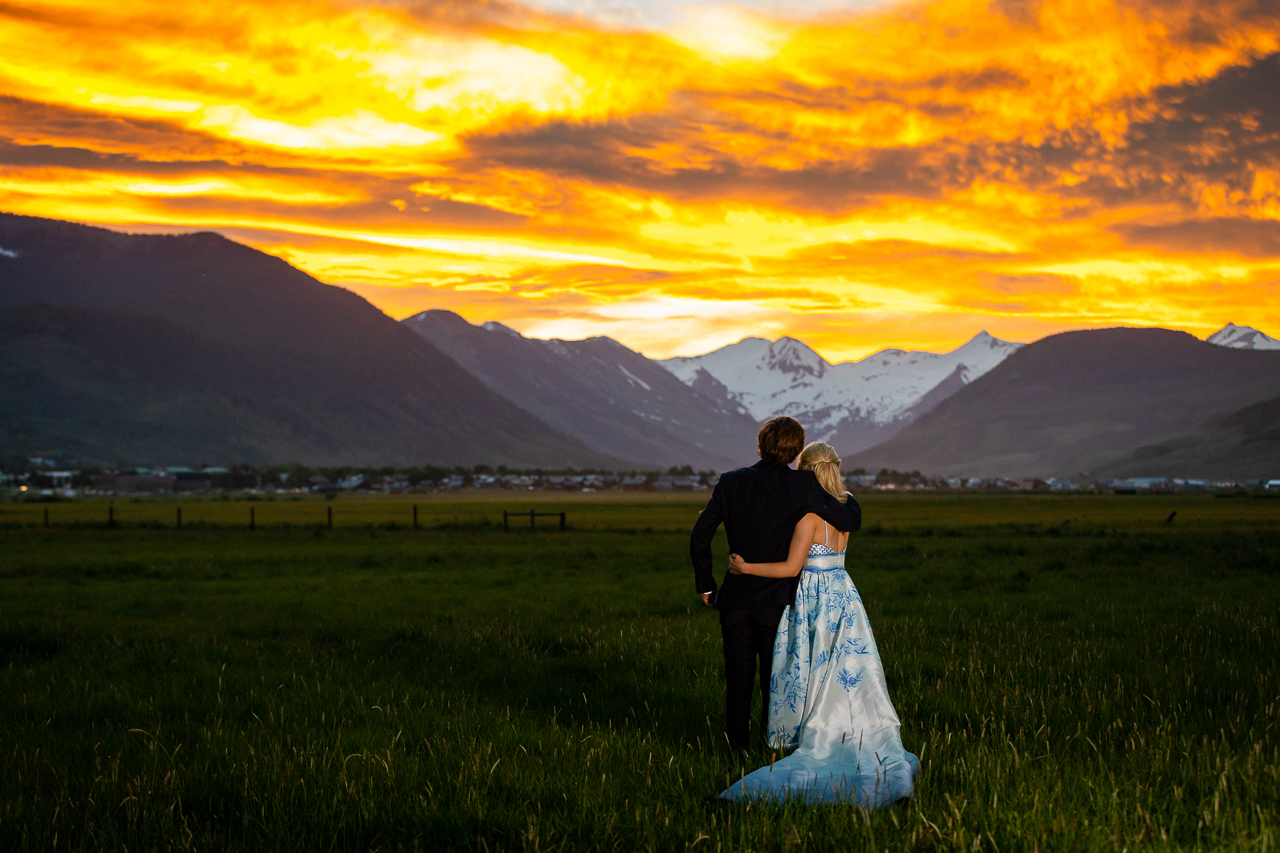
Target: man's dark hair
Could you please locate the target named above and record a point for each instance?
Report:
(780, 440)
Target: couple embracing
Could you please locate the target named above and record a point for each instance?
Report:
(789, 610)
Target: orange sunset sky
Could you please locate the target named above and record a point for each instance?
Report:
(680, 175)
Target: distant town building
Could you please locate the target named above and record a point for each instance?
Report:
(1133, 485)
(138, 481)
(514, 481)
(191, 481)
(668, 483)
(1057, 484)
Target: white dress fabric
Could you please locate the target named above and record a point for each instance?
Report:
(829, 700)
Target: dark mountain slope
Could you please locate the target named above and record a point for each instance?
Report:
(1242, 445)
(314, 373)
(1072, 403)
(108, 386)
(612, 398)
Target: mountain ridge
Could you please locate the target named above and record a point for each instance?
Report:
(853, 404)
(612, 398)
(320, 375)
(1079, 403)
(349, 383)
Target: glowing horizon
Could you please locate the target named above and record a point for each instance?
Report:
(678, 176)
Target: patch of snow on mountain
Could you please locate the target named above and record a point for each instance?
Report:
(1242, 337)
(636, 379)
(786, 377)
(495, 326)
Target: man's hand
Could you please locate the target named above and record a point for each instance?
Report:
(736, 564)
(706, 599)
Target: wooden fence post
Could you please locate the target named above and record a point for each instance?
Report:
(330, 517)
(111, 516)
(415, 516)
(253, 521)
(46, 517)
(507, 515)
(179, 518)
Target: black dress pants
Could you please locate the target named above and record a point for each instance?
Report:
(748, 637)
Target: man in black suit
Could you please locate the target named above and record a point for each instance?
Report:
(759, 506)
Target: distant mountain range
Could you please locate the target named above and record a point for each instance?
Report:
(182, 349)
(1133, 402)
(852, 405)
(612, 398)
(1127, 402)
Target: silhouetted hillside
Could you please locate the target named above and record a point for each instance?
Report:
(1080, 401)
(1242, 445)
(198, 331)
(614, 399)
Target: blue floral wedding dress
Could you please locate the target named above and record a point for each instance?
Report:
(828, 699)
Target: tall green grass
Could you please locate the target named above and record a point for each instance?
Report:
(1104, 683)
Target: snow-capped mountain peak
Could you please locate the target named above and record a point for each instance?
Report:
(796, 358)
(1242, 337)
(984, 339)
(852, 404)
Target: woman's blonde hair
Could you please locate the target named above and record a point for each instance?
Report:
(821, 458)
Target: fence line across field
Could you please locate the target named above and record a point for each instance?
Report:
(533, 516)
(185, 517)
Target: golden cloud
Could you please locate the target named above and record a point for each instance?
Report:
(906, 175)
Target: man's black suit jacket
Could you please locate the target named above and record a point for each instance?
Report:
(760, 507)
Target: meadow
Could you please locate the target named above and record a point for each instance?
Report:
(1075, 672)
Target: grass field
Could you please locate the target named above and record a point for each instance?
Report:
(1074, 672)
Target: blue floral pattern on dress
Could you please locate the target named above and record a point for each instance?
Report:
(829, 701)
(849, 680)
(824, 628)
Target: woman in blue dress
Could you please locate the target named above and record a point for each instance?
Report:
(827, 695)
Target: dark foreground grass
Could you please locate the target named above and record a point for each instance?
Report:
(1105, 683)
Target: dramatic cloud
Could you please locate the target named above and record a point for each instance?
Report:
(679, 175)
